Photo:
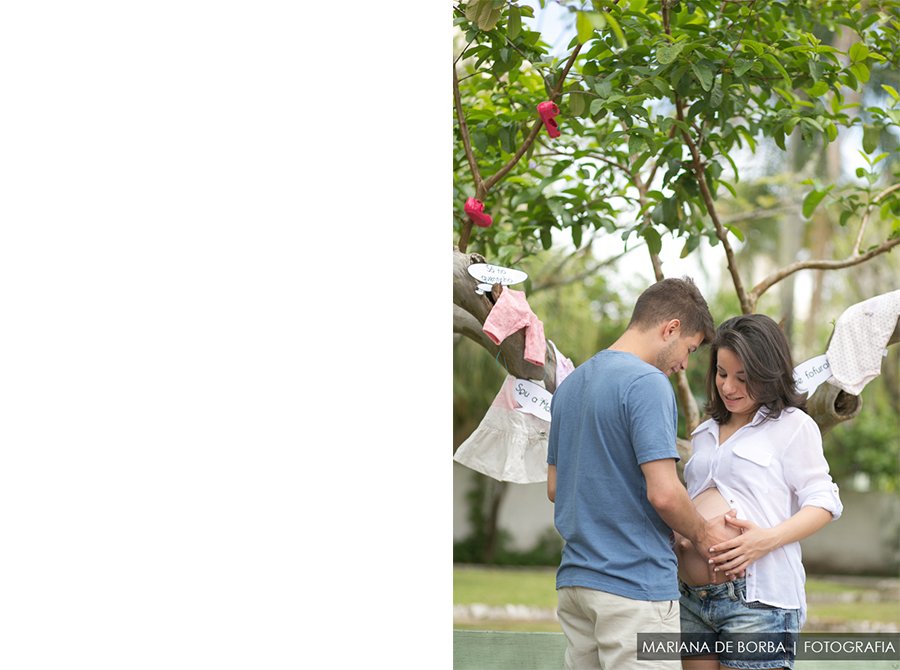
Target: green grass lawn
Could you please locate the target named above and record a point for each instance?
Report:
(497, 586)
(885, 612)
(536, 587)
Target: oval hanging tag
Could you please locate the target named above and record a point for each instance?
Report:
(496, 274)
(810, 374)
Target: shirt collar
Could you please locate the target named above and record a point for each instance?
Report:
(711, 426)
(761, 415)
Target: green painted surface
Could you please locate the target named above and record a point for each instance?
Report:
(502, 650)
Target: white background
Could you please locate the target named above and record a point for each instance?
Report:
(221, 257)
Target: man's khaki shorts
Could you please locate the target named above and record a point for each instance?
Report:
(601, 629)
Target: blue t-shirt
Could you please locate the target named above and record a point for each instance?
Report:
(609, 416)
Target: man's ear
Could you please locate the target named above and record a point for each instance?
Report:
(671, 329)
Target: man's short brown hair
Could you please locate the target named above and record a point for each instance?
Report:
(674, 299)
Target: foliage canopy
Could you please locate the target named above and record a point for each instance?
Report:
(655, 100)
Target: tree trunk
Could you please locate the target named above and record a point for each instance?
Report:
(493, 528)
(829, 406)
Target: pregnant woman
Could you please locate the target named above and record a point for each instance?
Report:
(759, 454)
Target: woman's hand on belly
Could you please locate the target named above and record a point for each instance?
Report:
(694, 567)
(752, 542)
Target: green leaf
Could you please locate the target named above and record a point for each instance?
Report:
(819, 89)
(669, 52)
(692, 243)
(662, 86)
(584, 27)
(758, 48)
(868, 21)
(576, 235)
(871, 137)
(488, 17)
(617, 29)
(596, 105)
(812, 122)
(736, 232)
(597, 19)
(811, 201)
(480, 142)
(635, 142)
(730, 188)
(860, 71)
(715, 98)
(741, 67)
(472, 9)
(654, 241)
(670, 212)
(508, 138)
(704, 73)
(816, 69)
(603, 89)
(577, 104)
(678, 74)
(858, 52)
(514, 24)
(892, 91)
(778, 66)
(546, 237)
(482, 12)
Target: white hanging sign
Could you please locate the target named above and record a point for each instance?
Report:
(496, 274)
(533, 399)
(810, 374)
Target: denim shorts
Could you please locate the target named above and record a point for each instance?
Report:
(718, 619)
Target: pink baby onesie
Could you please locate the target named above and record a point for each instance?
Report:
(512, 313)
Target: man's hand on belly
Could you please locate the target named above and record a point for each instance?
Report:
(718, 534)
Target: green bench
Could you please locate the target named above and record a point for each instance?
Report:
(496, 650)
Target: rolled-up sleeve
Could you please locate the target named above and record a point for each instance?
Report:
(807, 472)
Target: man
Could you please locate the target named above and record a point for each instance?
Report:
(616, 491)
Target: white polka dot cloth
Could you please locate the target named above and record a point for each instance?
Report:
(858, 344)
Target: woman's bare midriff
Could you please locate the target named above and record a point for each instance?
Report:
(693, 569)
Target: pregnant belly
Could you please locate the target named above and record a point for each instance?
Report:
(693, 569)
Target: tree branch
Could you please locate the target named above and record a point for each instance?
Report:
(473, 165)
(740, 37)
(776, 277)
(532, 136)
(854, 258)
(558, 280)
(464, 131)
(747, 306)
(865, 219)
(760, 213)
(688, 402)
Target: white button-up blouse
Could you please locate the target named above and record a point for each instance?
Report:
(767, 471)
